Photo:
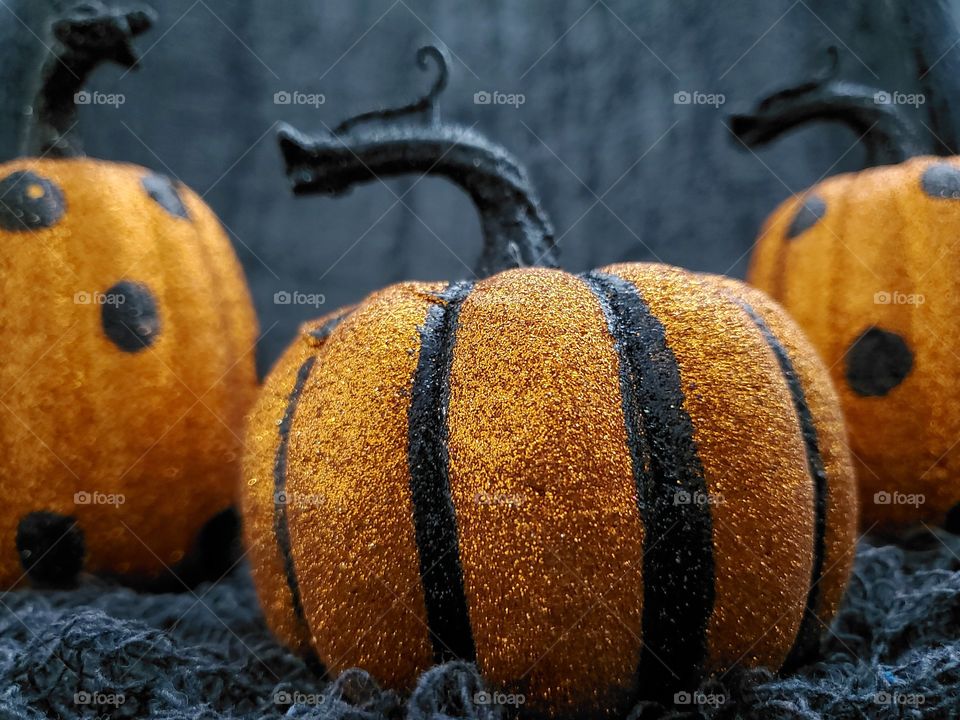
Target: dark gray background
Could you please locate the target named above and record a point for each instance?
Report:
(625, 173)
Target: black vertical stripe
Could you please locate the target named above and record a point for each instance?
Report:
(434, 519)
(678, 566)
(808, 635)
(280, 499)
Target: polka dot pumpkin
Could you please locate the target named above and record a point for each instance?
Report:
(597, 488)
(866, 263)
(884, 326)
(126, 333)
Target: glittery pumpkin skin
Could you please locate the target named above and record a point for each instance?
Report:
(277, 402)
(842, 507)
(732, 390)
(545, 579)
(880, 264)
(543, 491)
(142, 399)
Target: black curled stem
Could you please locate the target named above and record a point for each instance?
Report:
(85, 35)
(888, 133)
(426, 104)
(411, 139)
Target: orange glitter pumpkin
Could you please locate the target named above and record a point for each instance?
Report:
(597, 488)
(126, 333)
(866, 264)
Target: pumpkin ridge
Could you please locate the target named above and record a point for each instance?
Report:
(808, 633)
(678, 575)
(434, 519)
(281, 526)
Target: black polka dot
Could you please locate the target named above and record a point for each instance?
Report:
(129, 316)
(877, 362)
(941, 181)
(51, 548)
(162, 190)
(808, 214)
(215, 551)
(29, 202)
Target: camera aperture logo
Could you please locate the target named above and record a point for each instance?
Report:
(295, 297)
(298, 97)
(895, 297)
(697, 97)
(495, 97)
(86, 97)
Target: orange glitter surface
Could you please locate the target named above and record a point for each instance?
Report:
(348, 489)
(760, 495)
(842, 506)
(258, 495)
(885, 256)
(550, 535)
(160, 427)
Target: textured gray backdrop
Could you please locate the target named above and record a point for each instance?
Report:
(625, 172)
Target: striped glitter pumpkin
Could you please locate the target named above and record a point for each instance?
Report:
(576, 482)
(867, 265)
(597, 488)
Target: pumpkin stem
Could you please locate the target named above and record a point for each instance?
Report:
(87, 34)
(383, 143)
(889, 135)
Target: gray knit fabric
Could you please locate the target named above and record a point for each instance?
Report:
(106, 651)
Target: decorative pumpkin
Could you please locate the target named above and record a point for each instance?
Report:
(866, 264)
(126, 333)
(597, 487)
